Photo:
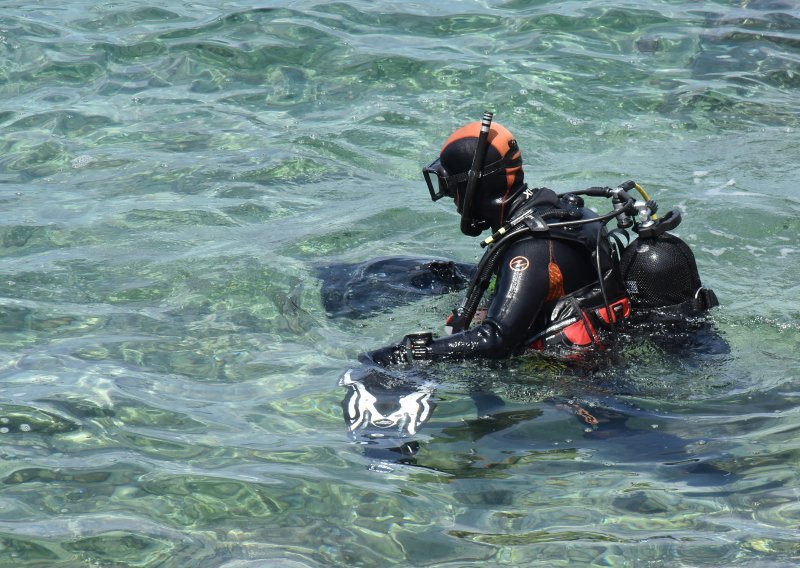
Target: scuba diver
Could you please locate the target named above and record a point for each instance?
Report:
(559, 283)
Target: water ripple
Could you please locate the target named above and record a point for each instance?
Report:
(173, 176)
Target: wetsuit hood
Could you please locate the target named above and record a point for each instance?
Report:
(501, 177)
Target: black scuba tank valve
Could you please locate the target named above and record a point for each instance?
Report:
(645, 215)
(622, 203)
(647, 210)
(653, 228)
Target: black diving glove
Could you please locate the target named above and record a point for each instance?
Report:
(414, 347)
(386, 356)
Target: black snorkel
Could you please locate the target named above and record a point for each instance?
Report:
(470, 226)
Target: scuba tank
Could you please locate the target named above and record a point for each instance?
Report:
(660, 272)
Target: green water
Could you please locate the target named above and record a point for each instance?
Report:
(172, 174)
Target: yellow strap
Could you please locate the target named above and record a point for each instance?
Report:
(646, 197)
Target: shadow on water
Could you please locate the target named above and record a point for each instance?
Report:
(359, 290)
(392, 415)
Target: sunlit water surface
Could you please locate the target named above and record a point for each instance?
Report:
(172, 176)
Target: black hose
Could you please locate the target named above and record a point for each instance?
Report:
(481, 278)
(602, 280)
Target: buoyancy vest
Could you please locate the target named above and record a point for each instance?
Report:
(578, 319)
(575, 319)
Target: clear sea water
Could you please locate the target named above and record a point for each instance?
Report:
(171, 176)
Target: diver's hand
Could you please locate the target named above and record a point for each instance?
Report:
(414, 347)
(386, 356)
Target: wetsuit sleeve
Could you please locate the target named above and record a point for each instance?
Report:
(522, 287)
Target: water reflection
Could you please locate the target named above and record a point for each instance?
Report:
(387, 410)
(390, 413)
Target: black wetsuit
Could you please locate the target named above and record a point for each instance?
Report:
(533, 272)
(545, 281)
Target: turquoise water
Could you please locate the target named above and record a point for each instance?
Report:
(171, 176)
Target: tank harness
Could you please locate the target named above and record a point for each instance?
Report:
(576, 319)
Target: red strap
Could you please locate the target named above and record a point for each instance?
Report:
(581, 332)
(619, 308)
